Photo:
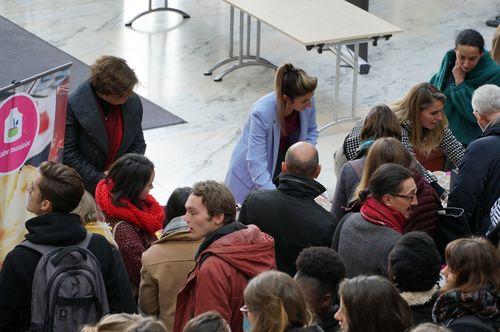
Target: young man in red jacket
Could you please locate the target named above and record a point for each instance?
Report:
(230, 255)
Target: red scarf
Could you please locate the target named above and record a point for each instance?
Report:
(380, 214)
(149, 217)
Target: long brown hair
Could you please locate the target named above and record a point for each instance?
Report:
(384, 150)
(277, 302)
(475, 264)
(291, 82)
(372, 303)
(380, 122)
(419, 98)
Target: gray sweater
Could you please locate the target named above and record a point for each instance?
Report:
(364, 247)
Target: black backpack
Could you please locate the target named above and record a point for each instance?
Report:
(68, 289)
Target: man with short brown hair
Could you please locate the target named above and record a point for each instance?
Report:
(229, 256)
(53, 194)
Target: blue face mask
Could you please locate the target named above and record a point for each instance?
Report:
(246, 324)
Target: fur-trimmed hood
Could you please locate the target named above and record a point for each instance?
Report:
(420, 298)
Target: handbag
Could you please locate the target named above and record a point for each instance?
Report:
(452, 225)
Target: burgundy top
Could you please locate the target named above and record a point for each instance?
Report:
(113, 122)
(292, 124)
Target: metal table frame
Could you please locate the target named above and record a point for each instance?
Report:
(243, 59)
(165, 8)
(337, 48)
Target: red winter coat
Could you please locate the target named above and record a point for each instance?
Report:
(218, 282)
(424, 216)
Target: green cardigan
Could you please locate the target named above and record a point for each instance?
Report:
(458, 108)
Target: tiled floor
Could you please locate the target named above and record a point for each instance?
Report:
(170, 55)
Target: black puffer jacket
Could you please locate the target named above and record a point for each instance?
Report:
(58, 229)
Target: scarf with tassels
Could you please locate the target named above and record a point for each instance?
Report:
(149, 217)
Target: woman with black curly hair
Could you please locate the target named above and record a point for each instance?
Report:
(319, 273)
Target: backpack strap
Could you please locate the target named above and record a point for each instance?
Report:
(39, 248)
(85, 243)
(45, 248)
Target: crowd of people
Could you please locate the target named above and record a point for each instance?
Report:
(258, 253)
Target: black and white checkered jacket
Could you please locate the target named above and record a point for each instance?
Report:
(451, 147)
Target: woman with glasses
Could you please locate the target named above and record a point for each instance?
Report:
(274, 303)
(363, 240)
(424, 132)
(423, 216)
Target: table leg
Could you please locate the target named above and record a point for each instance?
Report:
(249, 30)
(338, 49)
(244, 58)
(354, 65)
(165, 8)
(355, 80)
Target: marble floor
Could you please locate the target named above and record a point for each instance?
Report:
(170, 55)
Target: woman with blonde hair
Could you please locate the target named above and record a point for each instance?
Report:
(275, 303)
(126, 323)
(276, 121)
(93, 218)
(470, 299)
(422, 119)
(424, 132)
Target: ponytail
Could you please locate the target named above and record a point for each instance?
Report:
(291, 82)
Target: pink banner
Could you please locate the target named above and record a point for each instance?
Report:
(32, 122)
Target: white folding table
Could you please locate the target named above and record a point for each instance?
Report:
(316, 24)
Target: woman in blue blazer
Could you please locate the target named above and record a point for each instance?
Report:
(276, 121)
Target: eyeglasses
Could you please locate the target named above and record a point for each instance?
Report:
(244, 310)
(409, 197)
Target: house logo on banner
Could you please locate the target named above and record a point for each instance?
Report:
(18, 129)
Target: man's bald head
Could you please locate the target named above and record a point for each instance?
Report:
(302, 159)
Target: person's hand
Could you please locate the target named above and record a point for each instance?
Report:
(458, 73)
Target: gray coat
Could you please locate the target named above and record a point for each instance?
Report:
(364, 247)
(86, 140)
(347, 182)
